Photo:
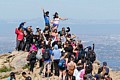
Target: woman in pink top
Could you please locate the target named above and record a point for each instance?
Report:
(33, 48)
(19, 39)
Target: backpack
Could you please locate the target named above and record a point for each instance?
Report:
(81, 54)
(62, 63)
(88, 68)
(46, 54)
(32, 56)
(39, 54)
(91, 55)
(71, 68)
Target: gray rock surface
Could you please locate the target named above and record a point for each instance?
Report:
(19, 59)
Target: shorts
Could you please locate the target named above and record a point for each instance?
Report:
(62, 69)
(47, 24)
(54, 25)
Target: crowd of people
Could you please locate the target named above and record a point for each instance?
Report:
(58, 52)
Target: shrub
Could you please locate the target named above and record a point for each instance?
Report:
(5, 69)
(25, 67)
(6, 76)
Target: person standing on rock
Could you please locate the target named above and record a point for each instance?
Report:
(48, 58)
(46, 18)
(20, 38)
(29, 40)
(56, 55)
(70, 69)
(32, 56)
(56, 19)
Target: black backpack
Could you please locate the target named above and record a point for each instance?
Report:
(46, 54)
(91, 56)
(88, 68)
(32, 56)
(81, 54)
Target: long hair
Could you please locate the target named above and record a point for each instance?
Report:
(55, 15)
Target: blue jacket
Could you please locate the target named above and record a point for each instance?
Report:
(56, 52)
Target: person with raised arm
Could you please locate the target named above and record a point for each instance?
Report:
(46, 18)
(56, 19)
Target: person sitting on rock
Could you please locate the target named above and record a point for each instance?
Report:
(105, 69)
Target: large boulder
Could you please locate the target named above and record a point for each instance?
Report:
(19, 59)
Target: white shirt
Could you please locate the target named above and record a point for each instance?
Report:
(77, 74)
(56, 21)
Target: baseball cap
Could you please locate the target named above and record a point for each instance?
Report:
(105, 63)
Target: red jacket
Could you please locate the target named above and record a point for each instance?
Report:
(20, 35)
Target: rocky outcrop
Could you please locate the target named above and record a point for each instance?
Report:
(19, 60)
(15, 61)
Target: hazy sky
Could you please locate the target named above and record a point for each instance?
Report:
(74, 9)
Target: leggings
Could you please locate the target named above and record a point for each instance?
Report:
(32, 66)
